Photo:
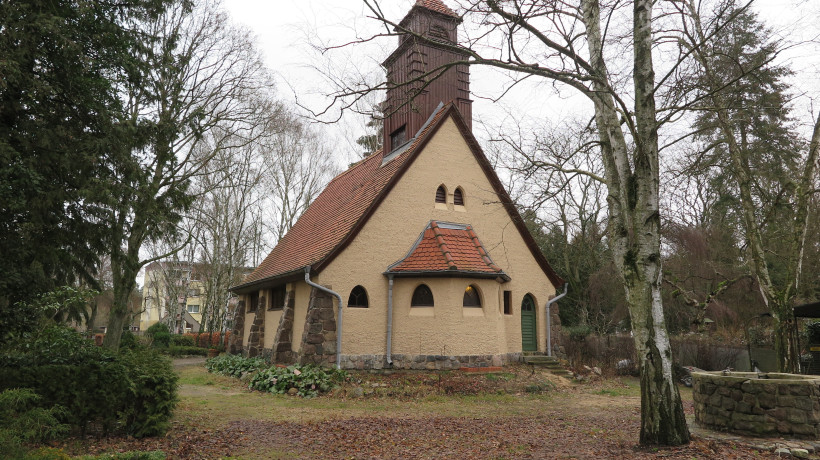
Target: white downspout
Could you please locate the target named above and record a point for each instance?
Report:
(549, 326)
(338, 321)
(390, 320)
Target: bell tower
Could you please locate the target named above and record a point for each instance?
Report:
(416, 74)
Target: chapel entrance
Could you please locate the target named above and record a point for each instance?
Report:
(529, 340)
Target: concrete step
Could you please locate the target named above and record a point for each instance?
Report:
(549, 363)
(540, 359)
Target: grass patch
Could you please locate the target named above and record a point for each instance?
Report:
(504, 377)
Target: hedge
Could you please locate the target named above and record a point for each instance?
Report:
(207, 339)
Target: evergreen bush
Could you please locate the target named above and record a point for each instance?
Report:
(133, 391)
(182, 341)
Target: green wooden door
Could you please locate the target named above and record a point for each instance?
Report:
(529, 334)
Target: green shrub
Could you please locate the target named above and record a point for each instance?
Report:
(159, 334)
(813, 332)
(308, 380)
(22, 421)
(578, 333)
(182, 341)
(234, 365)
(133, 391)
(151, 397)
(184, 351)
(129, 340)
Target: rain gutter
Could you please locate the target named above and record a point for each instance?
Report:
(549, 326)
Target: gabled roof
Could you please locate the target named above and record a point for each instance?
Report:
(446, 248)
(338, 214)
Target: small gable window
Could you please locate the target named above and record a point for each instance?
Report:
(471, 297)
(422, 297)
(441, 194)
(358, 298)
(458, 197)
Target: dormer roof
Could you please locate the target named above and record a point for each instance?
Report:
(450, 249)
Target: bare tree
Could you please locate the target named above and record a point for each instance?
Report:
(743, 104)
(198, 74)
(298, 164)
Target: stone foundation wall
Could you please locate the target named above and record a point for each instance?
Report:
(740, 402)
(427, 362)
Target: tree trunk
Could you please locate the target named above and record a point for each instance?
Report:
(785, 337)
(632, 176)
(662, 418)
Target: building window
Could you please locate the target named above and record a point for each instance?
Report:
(193, 308)
(508, 302)
(458, 197)
(422, 297)
(471, 297)
(193, 292)
(441, 194)
(358, 298)
(254, 302)
(398, 137)
(277, 298)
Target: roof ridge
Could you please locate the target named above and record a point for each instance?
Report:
(480, 247)
(442, 246)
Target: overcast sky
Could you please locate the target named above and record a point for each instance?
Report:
(287, 29)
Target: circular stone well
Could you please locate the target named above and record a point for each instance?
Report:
(758, 404)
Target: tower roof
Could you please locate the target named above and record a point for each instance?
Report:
(437, 6)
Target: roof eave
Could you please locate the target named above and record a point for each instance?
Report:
(503, 277)
(271, 281)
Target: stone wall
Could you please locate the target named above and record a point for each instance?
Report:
(319, 336)
(740, 402)
(282, 350)
(427, 362)
(235, 341)
(256, 337)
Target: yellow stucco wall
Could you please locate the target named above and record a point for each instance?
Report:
(389, 234)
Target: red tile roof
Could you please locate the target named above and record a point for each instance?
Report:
(348, 201)
(333, 215)
(437, 6)
(443, 247)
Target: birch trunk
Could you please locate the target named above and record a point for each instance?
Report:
(634, 222)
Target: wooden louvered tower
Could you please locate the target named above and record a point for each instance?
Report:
(412, 95)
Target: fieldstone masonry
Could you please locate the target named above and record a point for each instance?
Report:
(235, 341)
(427, 362)
(282, 351)
(256, 336)
(773, 405)
(319, 337)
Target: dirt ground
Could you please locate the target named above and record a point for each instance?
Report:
(517, 413)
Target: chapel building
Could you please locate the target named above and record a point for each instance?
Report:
(415, 257)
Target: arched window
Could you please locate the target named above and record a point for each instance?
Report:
(471, 297)
(458, 197)
(441, 194)
(422, 297)
(358, 298)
